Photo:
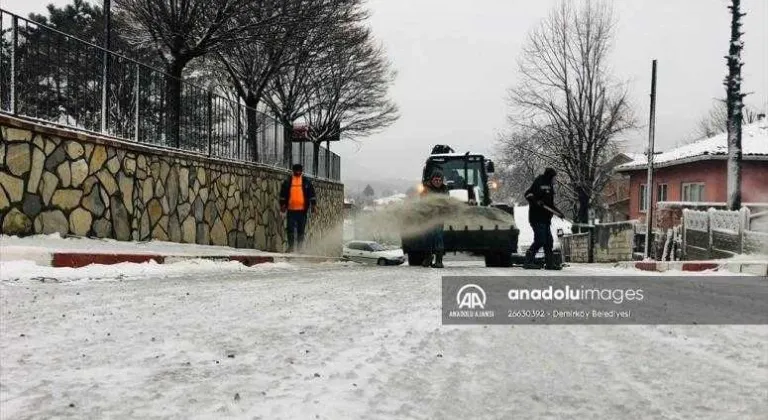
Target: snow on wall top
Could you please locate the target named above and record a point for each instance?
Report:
(754, 142)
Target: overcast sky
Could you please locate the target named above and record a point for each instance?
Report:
(456, 59)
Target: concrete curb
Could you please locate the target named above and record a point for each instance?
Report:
(748, 267)
(82, 259)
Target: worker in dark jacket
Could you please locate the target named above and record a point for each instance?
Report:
(434, 236)
(297, 198)
(541, 197)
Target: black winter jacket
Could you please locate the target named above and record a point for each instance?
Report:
(306, 185)
(541, 191)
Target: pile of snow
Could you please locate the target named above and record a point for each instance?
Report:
(11, 246)
(754, 142)
(25, 270)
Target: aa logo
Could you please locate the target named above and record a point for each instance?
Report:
(471, 296)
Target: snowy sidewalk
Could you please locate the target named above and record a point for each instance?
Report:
(53, 250)
(756, 266)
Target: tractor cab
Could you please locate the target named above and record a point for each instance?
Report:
(466, 174)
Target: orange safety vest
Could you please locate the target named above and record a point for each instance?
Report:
(296, 194)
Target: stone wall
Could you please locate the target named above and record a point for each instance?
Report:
(575, 247)
(607, 242)
(614, 241)
(54, 180)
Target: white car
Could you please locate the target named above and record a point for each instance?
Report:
(370, 252)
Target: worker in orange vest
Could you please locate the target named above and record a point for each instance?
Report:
(297, 198)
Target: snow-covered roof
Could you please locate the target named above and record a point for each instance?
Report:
(754, 144)
(634, 156)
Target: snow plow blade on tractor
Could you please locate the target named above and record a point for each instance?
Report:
(473, 225)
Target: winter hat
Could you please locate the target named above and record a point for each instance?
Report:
(550, 172)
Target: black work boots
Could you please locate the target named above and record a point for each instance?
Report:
(427, 261)
(438, 261)
(530, 261)
(550, 262)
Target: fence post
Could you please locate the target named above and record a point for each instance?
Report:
(278, 154)
(104, 89)
(684, 251)
(210, 122)
(239, 127)
(709, 232)
(138, 95)
(743, 226)
(14, 58)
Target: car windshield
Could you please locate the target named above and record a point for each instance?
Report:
(377, 247)
(459, 173)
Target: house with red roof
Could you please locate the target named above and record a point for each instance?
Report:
(696, 173)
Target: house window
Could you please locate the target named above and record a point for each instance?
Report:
(661, 192)
(693, 191)
(643, 198)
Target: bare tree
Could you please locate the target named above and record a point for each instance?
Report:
(183, 30)
(567, 98)
(522, 159)
(716, 120)
(734, 104)
(287, 94)
(250, 66)
(349, 90)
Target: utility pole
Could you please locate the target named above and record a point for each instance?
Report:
(734, 103)
(107, 10)
(649, 184)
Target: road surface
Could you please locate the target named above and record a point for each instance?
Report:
(339, 341)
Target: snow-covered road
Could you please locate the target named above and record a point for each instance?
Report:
(338, 342)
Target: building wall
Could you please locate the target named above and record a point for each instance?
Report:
(616, 198)
(712, 173)
(67, 182)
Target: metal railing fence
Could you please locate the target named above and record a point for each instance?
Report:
(51, 76)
